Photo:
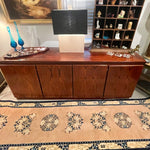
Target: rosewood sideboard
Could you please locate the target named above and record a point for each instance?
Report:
(57, 75)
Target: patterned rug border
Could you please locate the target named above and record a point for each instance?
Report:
(81, 142)
(73, 103)
(122, 143)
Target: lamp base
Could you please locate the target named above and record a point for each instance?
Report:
(71, 43)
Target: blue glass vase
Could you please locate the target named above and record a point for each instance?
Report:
(20, 41)
(12, 41)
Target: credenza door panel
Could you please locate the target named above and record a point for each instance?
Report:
(89, 80)
(121, 80)
(56, 80)
(23, 81)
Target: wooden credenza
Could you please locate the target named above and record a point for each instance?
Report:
(72, 75)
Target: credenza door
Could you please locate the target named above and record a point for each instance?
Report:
(56, 80)
(121, 80)
(89, 80)
(23, 81)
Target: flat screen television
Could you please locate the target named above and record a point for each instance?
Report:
(69, 21)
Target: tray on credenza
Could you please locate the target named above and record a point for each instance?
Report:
(27, 51)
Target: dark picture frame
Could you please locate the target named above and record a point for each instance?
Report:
(29, 11)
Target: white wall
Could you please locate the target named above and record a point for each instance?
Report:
(42, 34)
(142, 34)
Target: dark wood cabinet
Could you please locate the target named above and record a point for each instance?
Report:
(121, 80)
(89, 80)
(56, 80)
(23, 81)
(72, 75)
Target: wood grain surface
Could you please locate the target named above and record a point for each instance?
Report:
(23, 81)
(72, 75)
(52, 56)
(89, 80)
(56, 80)
(121, 80)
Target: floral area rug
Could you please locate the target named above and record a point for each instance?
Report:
(75, 125)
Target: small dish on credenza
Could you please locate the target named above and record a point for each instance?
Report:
(28, 51)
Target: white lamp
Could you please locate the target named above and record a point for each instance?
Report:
(71, 27)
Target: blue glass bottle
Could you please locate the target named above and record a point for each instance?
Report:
(12, 41)
(20, 41)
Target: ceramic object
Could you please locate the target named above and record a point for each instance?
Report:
(122, 14)
(98, 45)
(106, 45)
(124, 47)
(130, 25)
(105, 37)
(113, 2)
(97, 35)
(134, 2)
(99, 13)
(120, 26)
(110, 53)
(117, 36)
(123, 2)
(127, 37)
(100, 2)
(111, 26)
(97, 25)
(12, 41)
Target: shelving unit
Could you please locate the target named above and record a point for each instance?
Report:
(109, 15)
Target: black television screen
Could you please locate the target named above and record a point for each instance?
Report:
(69, 21)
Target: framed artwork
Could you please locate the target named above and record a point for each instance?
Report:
(29, 11)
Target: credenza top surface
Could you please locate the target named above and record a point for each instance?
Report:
(53, 56)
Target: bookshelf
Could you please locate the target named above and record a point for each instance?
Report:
(111, 30)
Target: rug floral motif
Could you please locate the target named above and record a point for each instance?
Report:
(49, 122)
(75, 125)
(99, 121)
(75, 121)
(122, 120)
(3, 121)
(23, 124)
